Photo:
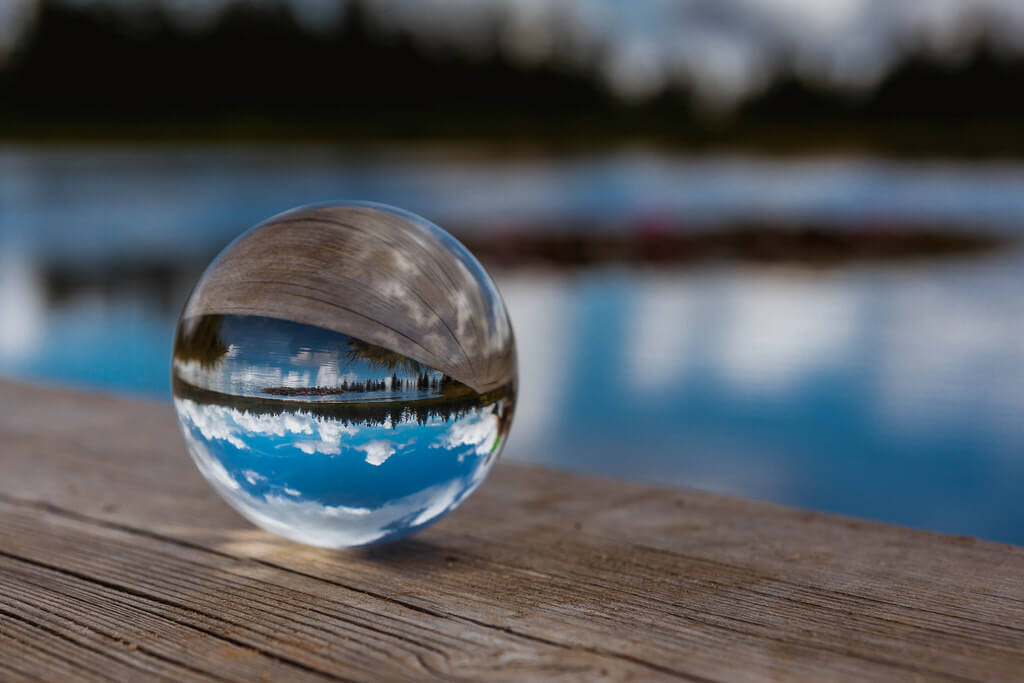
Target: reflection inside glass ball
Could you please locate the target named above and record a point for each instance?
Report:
(368, 427)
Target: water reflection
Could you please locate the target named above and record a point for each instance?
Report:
(893, 394)
(22, 312)
(324, 438)
(778, 331)
(326, 481)
(906, 406)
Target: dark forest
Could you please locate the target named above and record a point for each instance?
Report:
(86, 72)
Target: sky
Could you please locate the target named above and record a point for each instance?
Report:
(269, 353)
(726, 50)
(323, 482)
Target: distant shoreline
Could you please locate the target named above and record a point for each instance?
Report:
(984, 139)
(375, 412)
(567, 247)
(304, 391)
(674, 245)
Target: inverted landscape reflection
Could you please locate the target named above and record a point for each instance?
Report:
(324, 438)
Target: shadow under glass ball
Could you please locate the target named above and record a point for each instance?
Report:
(344, 374)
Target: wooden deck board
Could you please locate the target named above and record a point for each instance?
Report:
(117, 562)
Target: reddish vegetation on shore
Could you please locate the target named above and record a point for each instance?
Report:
(303, 391)
(671, 244)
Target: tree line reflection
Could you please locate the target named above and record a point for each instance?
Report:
(422, 382)
(444, 407)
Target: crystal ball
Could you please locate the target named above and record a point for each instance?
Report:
(344, 374)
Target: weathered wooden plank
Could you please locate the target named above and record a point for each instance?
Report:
(109, 537)
(311, 624)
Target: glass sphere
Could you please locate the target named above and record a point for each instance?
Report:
(344, 374)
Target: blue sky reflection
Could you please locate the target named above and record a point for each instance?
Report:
(888, 394)
(319, 480)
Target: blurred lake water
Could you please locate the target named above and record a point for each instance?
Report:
(893, 392)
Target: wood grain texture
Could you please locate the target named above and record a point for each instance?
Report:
(118, 562)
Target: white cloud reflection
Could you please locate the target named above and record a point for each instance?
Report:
(328, 375)
(954, 350)
(230, 376)
(253, 477)
(479, 431)
(314, 523)
(231, 425)
(309, 521)
(663, 332)
(213, 422)
(22, 306)
(542, 308)
(377, 451)
(780, 328)
(339, 525)
(760, 331)
(209, 466)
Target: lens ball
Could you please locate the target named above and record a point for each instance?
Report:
(344, 374)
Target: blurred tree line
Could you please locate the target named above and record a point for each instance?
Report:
(86, 71)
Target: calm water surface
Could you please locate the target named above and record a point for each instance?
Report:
(888, 392)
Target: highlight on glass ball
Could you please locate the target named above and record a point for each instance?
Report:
(344, 374)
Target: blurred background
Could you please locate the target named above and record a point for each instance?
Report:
(763, 247)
